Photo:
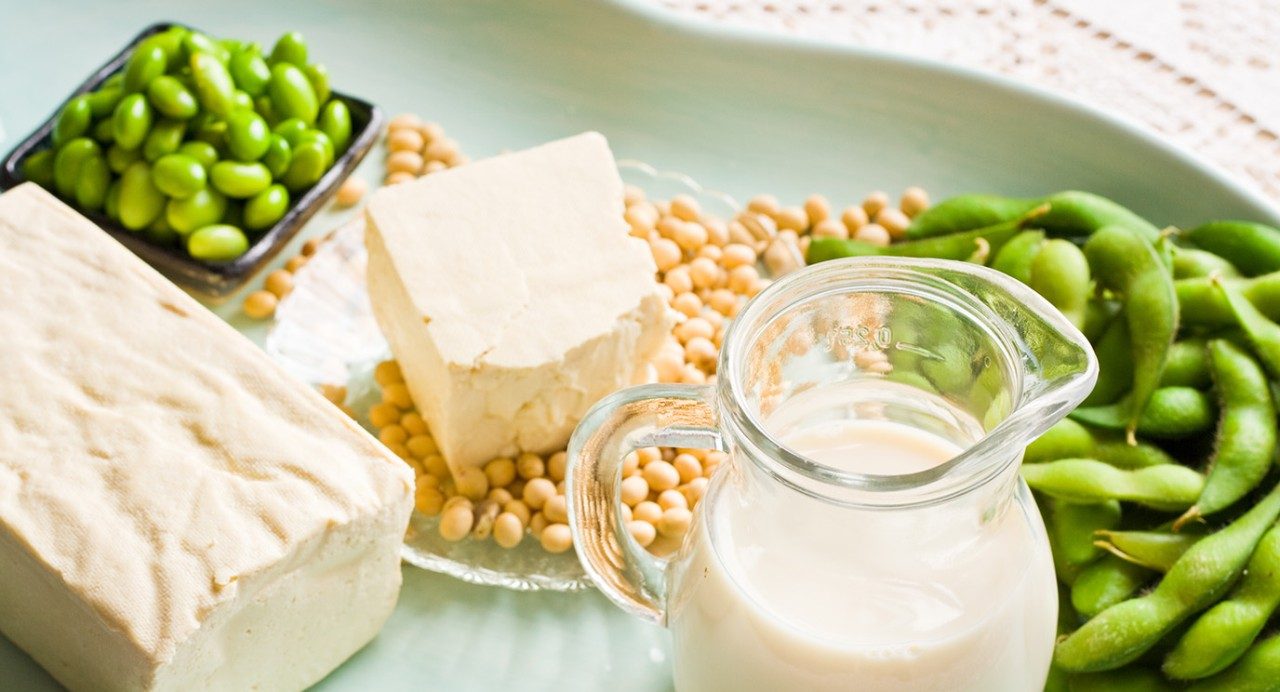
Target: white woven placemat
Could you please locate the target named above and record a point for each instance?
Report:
(1205, 73)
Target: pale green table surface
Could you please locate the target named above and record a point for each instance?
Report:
(738, 112)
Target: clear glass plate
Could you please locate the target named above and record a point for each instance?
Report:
(325, 333)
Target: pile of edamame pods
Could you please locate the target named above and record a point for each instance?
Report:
(198, 142)
(1158, 492)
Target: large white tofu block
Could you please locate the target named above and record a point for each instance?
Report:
(513, 295)
(176, 513)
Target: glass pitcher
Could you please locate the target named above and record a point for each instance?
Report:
(870, 530)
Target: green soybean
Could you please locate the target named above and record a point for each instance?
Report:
(335, 121)
(1224, 632)
(160, 233)
(1106, 582)
(210, 129)
(1262, 334)
(291, 129)
(1016, 256)
(306, 166)
(1168, 487)
(103, 102)
(165, 138)
(214, 86)
(1060, 273)
(1246, 433)
(38, 168)
(1253, 248)
(1204, 305)
(241, 101)
(73, 120)
(247, 135)
(1172, 412)
(67, 162)
(1155, 550)
(250, 72)
(170, 42)
(147, 62)
(1257, 671)
(104, 132)
(1187, 365)
(312, 135)
(196, 43)
(292, 96)
(217, 243)
(967, 213)
(1190, 263)
(201, 209)
(290, 48)
(1065, 439)
(1125, 631)
(239, 180)
(141, 203)
(203, 152)
(266, 208)
(92, 183)
(111, 205)
(131, 121)
(318, 75)
(172, 98)
(178, 176)
(1124, 261)
(278, 156)
(119, 158)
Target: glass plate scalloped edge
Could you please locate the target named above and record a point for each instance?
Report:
(324, 332)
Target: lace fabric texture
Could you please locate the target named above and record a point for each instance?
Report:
(1204, 73)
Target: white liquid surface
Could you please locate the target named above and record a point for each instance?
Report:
(800, 594)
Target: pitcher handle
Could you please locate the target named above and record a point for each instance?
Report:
(667, 415)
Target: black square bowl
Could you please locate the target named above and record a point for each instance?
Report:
(212, 279)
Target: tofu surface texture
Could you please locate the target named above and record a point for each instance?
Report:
(513, 295)
(176, 513)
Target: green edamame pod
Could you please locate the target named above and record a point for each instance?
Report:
(335, 122)
(147, 62)
(103, 102)
(1246, 434)
(956, 246)
(1263, 334)
(1115, 363)
(247, 135)
(204, 208)
(140, 202)
(239, 180)
(1123, 261)
(264, 209)
(1066, 439)
(1131, 679)
(1187, 365)
(172, 98)
(118, 158)
(1155, 550)
(200, 151)
(1125, 631)
(278, 157)
(291, 94)
(178, 176)
(1224, 632)
(1256, 671)
(1203, 304)
(1071, 528)
(38, 168)
(1060, 273)
(318, 75)
(131, 121)
(165, 138)
(307, 165)
(1168, 487)
(217, 243)
(1253, 248)
(249, 71)
(73, 120)
(214, 86)
(67, 163)
(290, 48)
(92, 183)
(1015, 257)
(1127, 456)
(1190, 263)
(1171, 412)
(1106, 582)
(1079, 214)
(967, 213)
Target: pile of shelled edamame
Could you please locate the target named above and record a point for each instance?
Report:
(1163, 524)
